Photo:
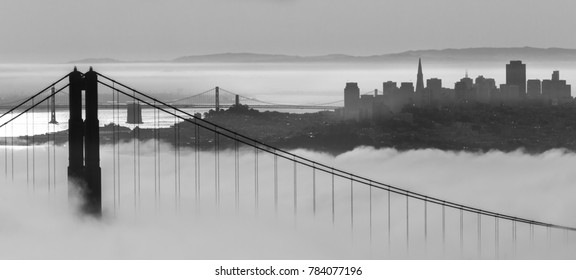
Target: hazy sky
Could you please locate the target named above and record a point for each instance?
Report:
(62, 30)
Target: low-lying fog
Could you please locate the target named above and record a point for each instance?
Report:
(37, 223)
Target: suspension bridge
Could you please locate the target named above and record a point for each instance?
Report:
(216, 166)
(215, 98)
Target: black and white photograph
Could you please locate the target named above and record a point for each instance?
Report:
(289, 139)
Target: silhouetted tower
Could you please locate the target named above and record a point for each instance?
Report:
(134, 113)
(534, 88)
(53, 108)
(351, 100)
(555, 75)
(84, 143)
(420, 78)
(516, 75)
(217, 94)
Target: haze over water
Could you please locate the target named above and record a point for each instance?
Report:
(292, 83)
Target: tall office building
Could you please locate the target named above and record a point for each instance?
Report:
(389, 88)
(556, 90)
(434, 84)
(420, 78)
(351, 100)
(484, 89)
(406, 88)
(534, 89)
(433, 91)
(516, 75)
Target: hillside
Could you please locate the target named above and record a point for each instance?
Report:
(445, 56)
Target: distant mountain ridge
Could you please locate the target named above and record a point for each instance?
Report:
(95, 61)
(445, 55)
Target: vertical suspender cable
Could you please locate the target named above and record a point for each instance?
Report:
(370, 212)
(256, 179)
(135, 170)
(175, 161)
(496, 238)
(461, 232)
(275, 183)
(155, 135)
(54, 152)
(479, 236)
(33, 147)
(426, 224)
(159, 143)
(6, 152)
(351, 204)
(407, 224)
(114, 148)
(27, 155)
(196, 192)
(443, 227)
(12, 147)
(295, 189)
(333, 201)
(389, 223)
(514, 237)
(138, 158)
(217, 167)
(48, 142)
(117, 131)
(236, 175)
(199, 165)
(314, 189)
(179, 169)
(549, 236)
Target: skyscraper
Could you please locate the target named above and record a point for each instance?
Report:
(389, 88)
(484, 88)
(351, 100)
(516, 75)
(534, 89)
(420, 78)
(556, 90)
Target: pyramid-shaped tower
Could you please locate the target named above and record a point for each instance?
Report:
(420, 78)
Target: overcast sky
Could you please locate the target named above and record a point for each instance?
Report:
(62, 30)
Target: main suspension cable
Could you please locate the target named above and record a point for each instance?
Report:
(343, 174)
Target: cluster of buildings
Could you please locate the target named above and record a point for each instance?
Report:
(516, 91)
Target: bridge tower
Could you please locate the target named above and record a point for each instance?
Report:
(84, 174)
(53, 108)
(217, 94)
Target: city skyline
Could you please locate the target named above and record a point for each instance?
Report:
(516, 91)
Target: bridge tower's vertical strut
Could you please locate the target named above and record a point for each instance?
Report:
(76, 177)
(84, 144)
(92, 146)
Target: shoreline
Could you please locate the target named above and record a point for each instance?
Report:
(475, 128)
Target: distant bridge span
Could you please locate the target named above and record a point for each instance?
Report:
(192, 106)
